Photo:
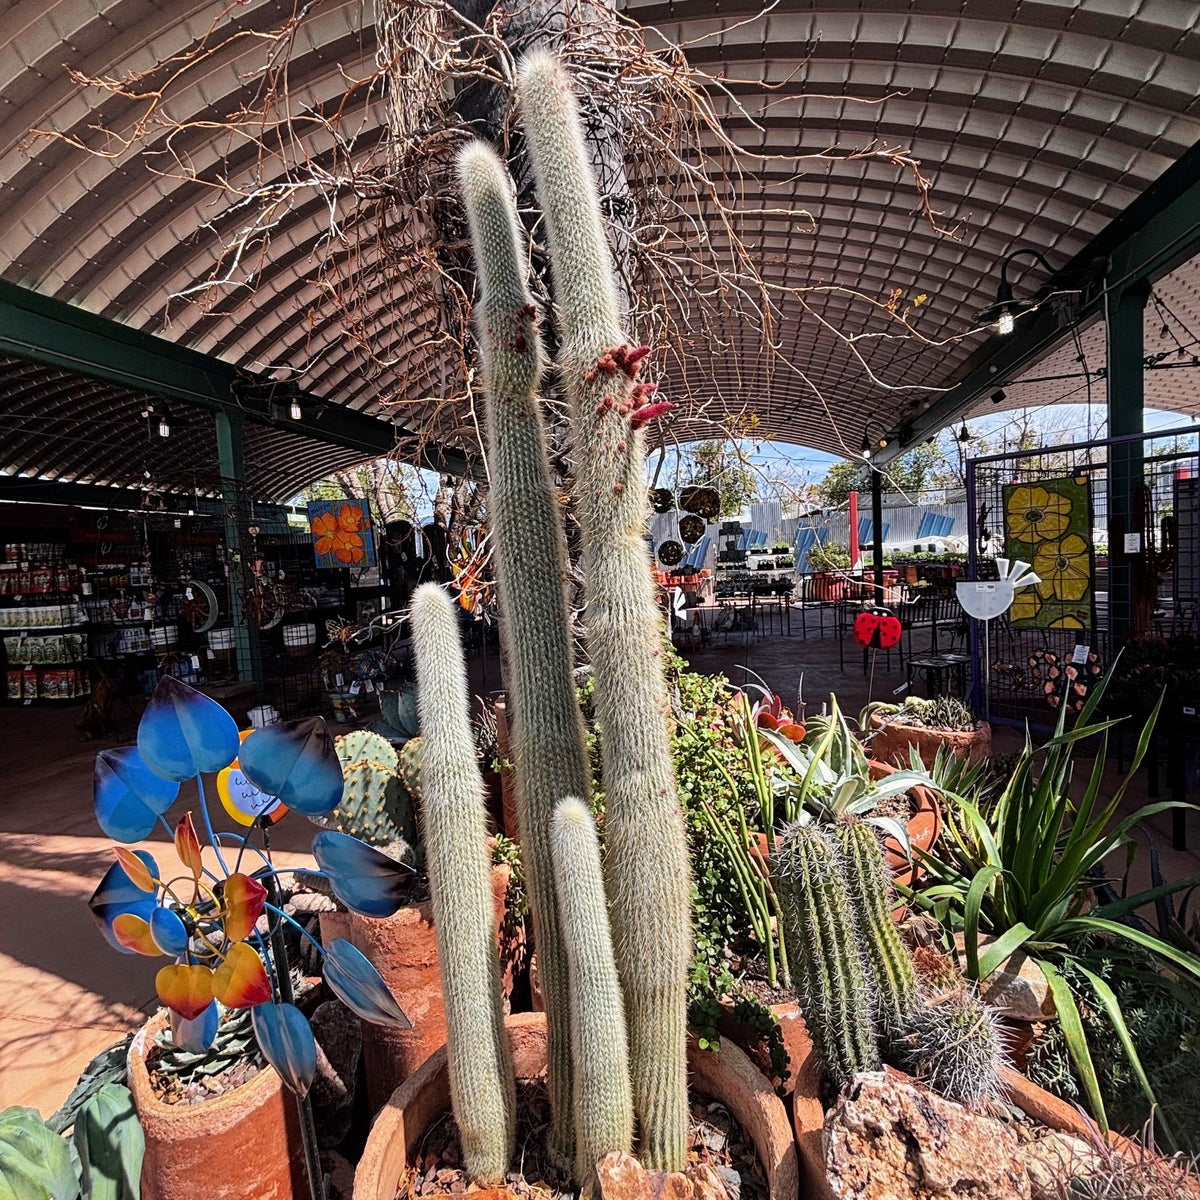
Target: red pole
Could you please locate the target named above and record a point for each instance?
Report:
(853, 528)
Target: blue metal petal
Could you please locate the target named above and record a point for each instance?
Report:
(168, 931)
(287, 1043)
(116, 893)
(129, 797)
(357, 984)
(199, 1033)
(295, 761)
(183, 732)
(362, 878)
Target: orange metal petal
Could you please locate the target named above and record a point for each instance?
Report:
(187, 846)
(134, 934)
(244, 900)
(241, 981)
(185, 990)
(138, 872)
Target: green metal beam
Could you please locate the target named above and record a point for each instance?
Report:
(27, 490)
(231, 455)
(41, 329)
(1158, 232)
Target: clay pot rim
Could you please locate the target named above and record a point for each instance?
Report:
(147, 1100)
(432, 1076)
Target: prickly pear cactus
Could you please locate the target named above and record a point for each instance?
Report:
(411, 758)
(376, 805)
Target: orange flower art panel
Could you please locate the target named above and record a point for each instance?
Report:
(341, 533)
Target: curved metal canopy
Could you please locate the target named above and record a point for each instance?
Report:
(1038, 123)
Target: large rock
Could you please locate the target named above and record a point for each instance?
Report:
(619, 1176)
(1017, 989)
(888, 1138)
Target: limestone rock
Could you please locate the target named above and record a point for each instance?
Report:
(619, 1176)
(1018, 990)
(890, 1139)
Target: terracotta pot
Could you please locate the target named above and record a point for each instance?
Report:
(403, 949)
(791, 1027)
(808, 1116)
(826, 585)
(728, 1076)
(890, 741)
(241, 1144)
(508, 798)
(924, 828)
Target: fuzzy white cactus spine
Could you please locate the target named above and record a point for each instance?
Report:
(548, 740)
(603, 1100)
(646, 859)
(482, 1090)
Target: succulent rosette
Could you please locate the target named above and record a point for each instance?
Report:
(210, 917)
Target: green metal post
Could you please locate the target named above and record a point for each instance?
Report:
(877, 531)
(1126, 403)
(232, 460)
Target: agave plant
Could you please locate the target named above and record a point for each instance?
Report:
(1022, 866)
(203, 911)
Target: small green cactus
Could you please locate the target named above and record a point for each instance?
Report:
(870, 890)
(954, 1045)
(822, 942)
(375, 805)
(410, 766)
(454, 823)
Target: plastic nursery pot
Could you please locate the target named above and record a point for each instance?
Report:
(924, 828)
(890, 741)
(244, 1143)
(727, 1076)
(403, 949)
(808, 1114)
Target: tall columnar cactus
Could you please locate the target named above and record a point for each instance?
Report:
(603, 1099)
(548, 742)
(482, 1090)
(822, 942)
(869, 886)
(375, 804)
(646, 859)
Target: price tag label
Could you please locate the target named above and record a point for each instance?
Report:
(1133, 543)
(902, 688)
(188, 594)
(1080, 654)
(355, 688)
(195, 662)
(340, 680)
(208, 651)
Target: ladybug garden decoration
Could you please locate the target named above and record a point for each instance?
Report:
(877, 628)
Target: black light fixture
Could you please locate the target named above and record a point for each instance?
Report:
(963, 436)
(870, 444)
(998, 396)
(1004, 312)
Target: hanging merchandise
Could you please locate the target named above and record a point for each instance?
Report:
(670, 553)
(703, 501)
(662, 500)
(877, 628)
(1049, 524)
(691, 529)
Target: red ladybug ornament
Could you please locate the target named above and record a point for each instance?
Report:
(876, 628)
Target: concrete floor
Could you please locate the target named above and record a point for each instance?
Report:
(65, 994)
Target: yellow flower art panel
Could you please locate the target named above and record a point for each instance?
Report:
(1049, 526)
(341, 533)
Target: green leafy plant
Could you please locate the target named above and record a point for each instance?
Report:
(829, 557)
(1021, 866)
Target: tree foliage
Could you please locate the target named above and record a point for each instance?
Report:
(722, 465)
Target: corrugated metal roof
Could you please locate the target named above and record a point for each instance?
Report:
(1037, 123)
